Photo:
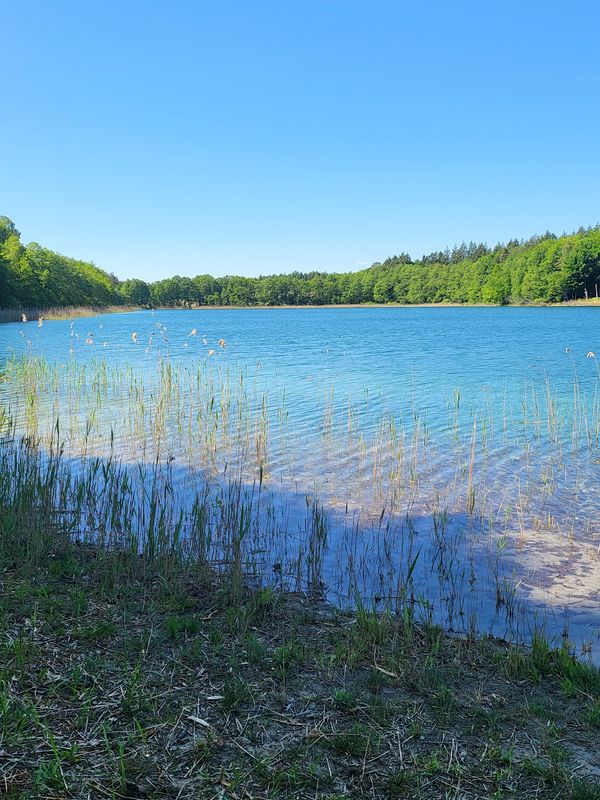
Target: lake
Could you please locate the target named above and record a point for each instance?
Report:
(441, 459)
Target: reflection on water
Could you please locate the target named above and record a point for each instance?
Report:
(457, 445)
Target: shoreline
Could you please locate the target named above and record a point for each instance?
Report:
(564, 304)
(150, 669)
(9, 315)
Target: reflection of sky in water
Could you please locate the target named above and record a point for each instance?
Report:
(329, 370)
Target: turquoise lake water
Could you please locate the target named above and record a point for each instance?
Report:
(401, 352)
(487, 418)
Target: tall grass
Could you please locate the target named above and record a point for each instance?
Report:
(59, 312)
(206, 468)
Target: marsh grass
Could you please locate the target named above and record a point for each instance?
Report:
(60, 312)
(198, 464)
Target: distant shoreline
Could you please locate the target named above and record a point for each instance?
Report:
(14, 315)
(595, 302)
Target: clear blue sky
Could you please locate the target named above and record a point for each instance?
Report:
(243, 137)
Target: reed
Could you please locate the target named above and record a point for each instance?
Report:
(60, 312)
(204, 465)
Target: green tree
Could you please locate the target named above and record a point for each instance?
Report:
(135, 292)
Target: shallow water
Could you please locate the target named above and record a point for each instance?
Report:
(466, 438)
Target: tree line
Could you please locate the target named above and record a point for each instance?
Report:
(543, 269)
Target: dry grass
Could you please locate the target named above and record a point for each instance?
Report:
(65, 312)
(590, 301)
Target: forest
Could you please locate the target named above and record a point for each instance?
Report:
(543, 269)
